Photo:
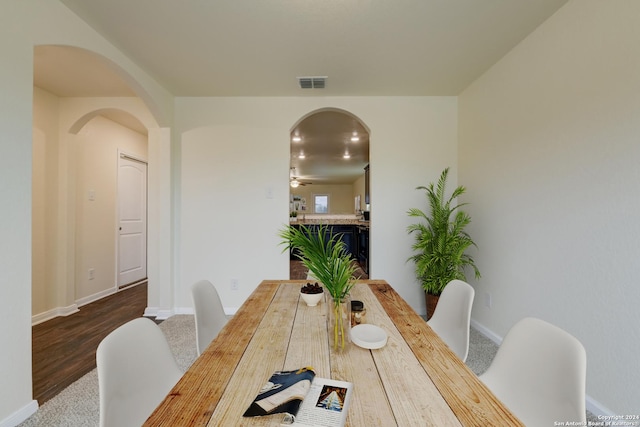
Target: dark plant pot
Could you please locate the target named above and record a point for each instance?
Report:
(432, 302)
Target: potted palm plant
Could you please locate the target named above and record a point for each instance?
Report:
(328, 259)
(441, 241)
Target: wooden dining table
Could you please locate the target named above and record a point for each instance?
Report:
(414, 380)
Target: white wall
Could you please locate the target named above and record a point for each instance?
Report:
(341, 197)
(549, 152)
(15, 228)
(235, 152)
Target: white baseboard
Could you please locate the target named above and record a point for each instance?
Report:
(95, 297)
(486, 332)
(597, 408)
(151, 312)
(592, 405)
(20, 415)
(73, 308)
(164, 314)
(58, 311)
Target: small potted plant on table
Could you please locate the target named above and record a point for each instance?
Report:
(327, 258)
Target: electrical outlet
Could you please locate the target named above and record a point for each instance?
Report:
(487, 300)
(234, 284)
(92, 273)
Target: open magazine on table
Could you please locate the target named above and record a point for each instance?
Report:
(304, 399)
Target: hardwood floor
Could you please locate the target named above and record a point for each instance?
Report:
(297, 271)
(64, 348)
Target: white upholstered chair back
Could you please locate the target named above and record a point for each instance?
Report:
(539, 372)
(452, 318)
(136, 370)
(209, 313)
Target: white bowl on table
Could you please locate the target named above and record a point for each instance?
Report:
(312, 299)
(368, 336)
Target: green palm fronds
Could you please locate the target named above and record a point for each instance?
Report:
(441, 241)
(324, 254)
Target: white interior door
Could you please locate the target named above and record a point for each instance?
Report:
(132, 220)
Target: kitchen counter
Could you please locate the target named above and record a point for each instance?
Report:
(353, 232)
(330, 221)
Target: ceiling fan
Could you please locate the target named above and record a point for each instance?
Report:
(293, 179)
(295, 182)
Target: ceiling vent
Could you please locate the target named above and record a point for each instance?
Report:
(315, 82)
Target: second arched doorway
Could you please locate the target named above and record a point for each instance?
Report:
(329, 177)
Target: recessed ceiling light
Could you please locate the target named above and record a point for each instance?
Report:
(346, 156)
(301, 155)
(355, 138)
(296, 139)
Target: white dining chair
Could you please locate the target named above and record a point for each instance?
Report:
(209, 313)
(539, 372)
(311, 277)
(136, 370)
(452, 318)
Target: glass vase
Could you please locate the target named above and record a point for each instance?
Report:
(339, 323)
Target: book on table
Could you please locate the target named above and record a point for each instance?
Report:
(304, 399)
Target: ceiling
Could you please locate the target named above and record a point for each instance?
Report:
(71, 72)
(260, 48)
(325, 137)
(364, 47)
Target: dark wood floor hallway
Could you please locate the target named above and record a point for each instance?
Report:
(297, 271)
(64, 348)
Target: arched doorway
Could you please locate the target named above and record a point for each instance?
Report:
(329, 179)
(79, 132)
(74, 199)
(75, 87)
